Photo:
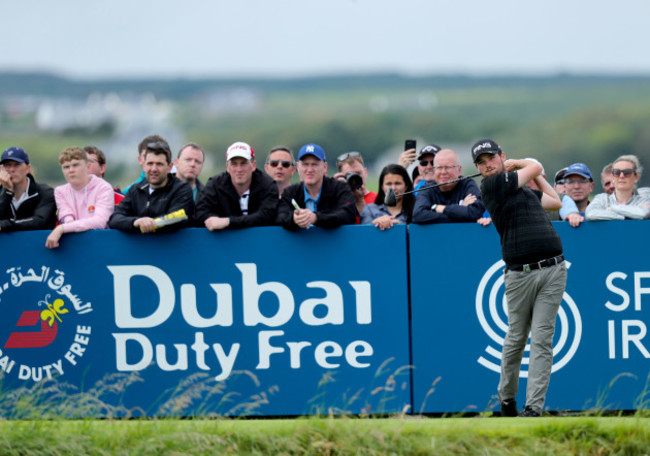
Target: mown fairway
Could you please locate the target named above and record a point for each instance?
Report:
(520, 436)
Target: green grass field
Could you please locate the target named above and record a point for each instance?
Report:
(329, 436)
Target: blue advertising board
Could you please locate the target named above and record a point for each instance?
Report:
(253, 322)
(601, 346)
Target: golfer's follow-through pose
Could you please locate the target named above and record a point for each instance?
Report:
(535, 275)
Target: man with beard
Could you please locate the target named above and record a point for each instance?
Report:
(535, 274)
(160, 194)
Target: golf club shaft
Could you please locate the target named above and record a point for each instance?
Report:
(426, 187)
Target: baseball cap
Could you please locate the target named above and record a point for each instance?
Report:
(580, 169)
(240, 149)
(539, 163)
(559, 176)
(16, 154)
(428, 149)
(312, 149)
(484, 146)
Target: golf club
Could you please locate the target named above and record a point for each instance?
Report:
(391, 198)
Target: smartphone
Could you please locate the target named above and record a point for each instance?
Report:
(409, 144)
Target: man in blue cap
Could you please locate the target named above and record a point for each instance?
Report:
(317, 200)
(578, 184)
(24, 204)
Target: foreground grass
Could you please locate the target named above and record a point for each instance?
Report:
(511, 436)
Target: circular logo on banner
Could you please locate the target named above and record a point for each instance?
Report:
(42, 333)
(492, 313)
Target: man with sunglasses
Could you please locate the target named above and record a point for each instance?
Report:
(578, 184)
(159, 194)
(449, 203)
(240, 197)
(425, 165)
(352, 162)
(280, 166)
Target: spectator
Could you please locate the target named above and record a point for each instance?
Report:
(624, 202)
(606, 179)
(352, 162)
(382, 216)
(189, 164)
(241, 197)
(97, 167)
(160, 194)
(535, 275)
(454, 202)
(415, 176)
(155, 141)
(280, 166)
(24, 203)
(86, 202)
(578, 184)
(559, 182)
(322, 201)
(425, 165)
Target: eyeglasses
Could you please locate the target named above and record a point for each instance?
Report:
(424, 163)
(284, 163)
(445, 168)
(345, 156)
(576, 181)
(626, 172)
(157, 145)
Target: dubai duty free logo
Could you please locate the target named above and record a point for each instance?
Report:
(492, 313)
(42, 331)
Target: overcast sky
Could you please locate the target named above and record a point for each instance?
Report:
(261, 38)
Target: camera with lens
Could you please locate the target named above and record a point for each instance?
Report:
(354, 180)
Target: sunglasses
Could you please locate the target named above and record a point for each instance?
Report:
(626, 172)
(345, 156)
(284, 163)
(424, 163)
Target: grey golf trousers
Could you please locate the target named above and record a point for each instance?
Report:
(533, 301)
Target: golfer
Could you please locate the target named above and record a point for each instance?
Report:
(535, 275)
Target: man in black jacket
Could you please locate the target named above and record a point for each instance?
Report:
(24, 203)
(161, 193)
(241, 197)
(317, 200)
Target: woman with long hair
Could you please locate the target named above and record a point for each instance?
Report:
(624, 202)
(382, 216)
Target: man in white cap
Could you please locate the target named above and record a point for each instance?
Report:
(317, 200)
(240, 197)
(24, 203)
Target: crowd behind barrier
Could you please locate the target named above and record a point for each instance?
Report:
(269, 322)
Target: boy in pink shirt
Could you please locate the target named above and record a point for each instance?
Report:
(85, 202)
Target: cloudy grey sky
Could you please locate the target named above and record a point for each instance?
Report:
(261, 38)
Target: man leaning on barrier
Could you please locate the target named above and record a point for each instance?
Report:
(449, 203)
(317, 200)
(24, 203)
(160, 202)
(240, 197)
(535, 275)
